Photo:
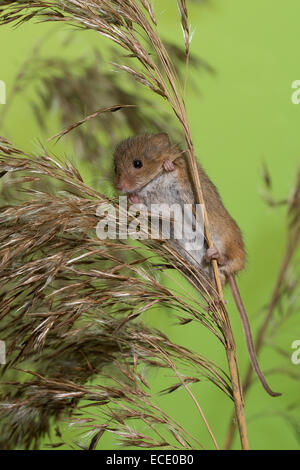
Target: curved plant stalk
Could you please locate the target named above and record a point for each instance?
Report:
(172, 365)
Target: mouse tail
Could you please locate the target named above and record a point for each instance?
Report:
(248, 335)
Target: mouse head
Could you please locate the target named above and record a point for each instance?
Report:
(139, 159)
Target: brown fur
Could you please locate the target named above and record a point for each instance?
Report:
(153, 150)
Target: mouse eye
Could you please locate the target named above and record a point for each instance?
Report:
(137, 163)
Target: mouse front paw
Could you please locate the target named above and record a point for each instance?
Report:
(213, 253)
(133, 199)
(168, 165)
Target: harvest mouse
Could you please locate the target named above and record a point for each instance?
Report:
(150, 170)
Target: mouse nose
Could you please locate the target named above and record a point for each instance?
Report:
(119, 186)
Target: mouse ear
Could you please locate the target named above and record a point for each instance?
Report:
(161, 141)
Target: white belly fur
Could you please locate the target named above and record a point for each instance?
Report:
(164, 189)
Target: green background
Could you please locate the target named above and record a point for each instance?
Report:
(242, 116)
